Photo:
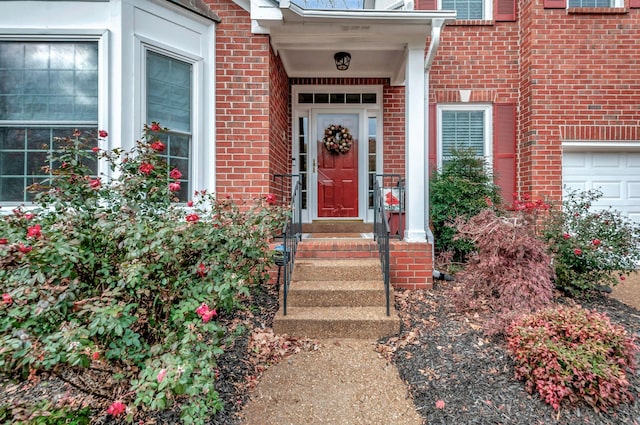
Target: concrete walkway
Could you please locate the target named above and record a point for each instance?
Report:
(344, 382)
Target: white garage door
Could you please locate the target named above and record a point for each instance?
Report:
(616, 174)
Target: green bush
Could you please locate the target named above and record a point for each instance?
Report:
(590, 247)
(111, 271)
(572, 354)
(462, 188)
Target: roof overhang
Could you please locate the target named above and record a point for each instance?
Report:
(377, 40)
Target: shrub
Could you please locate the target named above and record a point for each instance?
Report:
(572, 354)
(510, 272)
(590, 247)
(460, 189)
(111, 273)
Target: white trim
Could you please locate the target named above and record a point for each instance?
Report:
(577, 146)
(616, 3)
(364, 112)
(488, 127)
(487, 11)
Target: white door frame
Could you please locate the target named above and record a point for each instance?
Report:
(311, 112)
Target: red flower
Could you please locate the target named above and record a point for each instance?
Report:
(189, 203)
(271, 199)
(175, 174)
(174, 187)
(116, 409)
(95, 149)
(566, 236)
(103, 133)
(6, 298)
(577, 251)
(4, 241)
(95, 355)
(192, 218)
(145, 168)
(95, 184)
(202, 270)
(158, 146)
(24, 249)
(596, 242)
(155, 126)
(34, 231)
(29, 216)
(206, 313)
(202, 309)
(622, 277)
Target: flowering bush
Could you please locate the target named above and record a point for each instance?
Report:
(510, 273)
(590, 247)
(572, 354)
(114, 274)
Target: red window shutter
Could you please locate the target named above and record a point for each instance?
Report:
(555, 4)
(433, 138)
(426, 5)
(634, 4)
(505, 10)
(504, 149)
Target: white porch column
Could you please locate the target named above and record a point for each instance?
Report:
(415, 146)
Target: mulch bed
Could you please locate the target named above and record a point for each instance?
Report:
(444, 356)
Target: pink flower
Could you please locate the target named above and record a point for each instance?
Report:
(95, 184)
(116, 409)
(95, 149)
(34, 231)
(209, 315)
(161, 375)
(103, 133)
(271, 199)
(577, 251)
(4, 241)
(596, 242)
(192, 218)
(24, 249)
(189, 203)
(145, 168)
(174, 187)
(76, 133)
(155, 126)
(440, 404)
(29, 216)
(158, 146)
(566, 236)
(202, 309)
(175, 174)
(6, 298)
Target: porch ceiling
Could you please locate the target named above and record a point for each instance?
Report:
(377, 40)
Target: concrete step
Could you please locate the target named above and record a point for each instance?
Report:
(353, 293)
(318, 247)
(306, 269)
(336, 322)
(337, 226)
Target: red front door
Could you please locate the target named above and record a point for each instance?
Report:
(337, 165)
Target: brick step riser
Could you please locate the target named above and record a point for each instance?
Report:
(335, 254)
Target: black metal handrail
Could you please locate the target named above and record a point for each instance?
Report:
(291, 235)
(381, 234)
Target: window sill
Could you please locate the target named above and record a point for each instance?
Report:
(471, 22)
(597, 10)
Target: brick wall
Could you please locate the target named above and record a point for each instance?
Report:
(279, 127)
(242, 105)
(584, 73)
(394, 130)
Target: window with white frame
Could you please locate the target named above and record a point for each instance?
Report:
(469, 9)
(595, 3)
(464, 127)
(47, 90)
(169, 102)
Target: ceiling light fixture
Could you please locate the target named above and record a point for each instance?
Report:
(342, 60)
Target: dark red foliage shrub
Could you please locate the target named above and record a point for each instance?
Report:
(510, 272)
(572, 354)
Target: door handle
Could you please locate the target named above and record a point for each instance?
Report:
(314, 165)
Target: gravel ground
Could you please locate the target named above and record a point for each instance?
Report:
(445, 358)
